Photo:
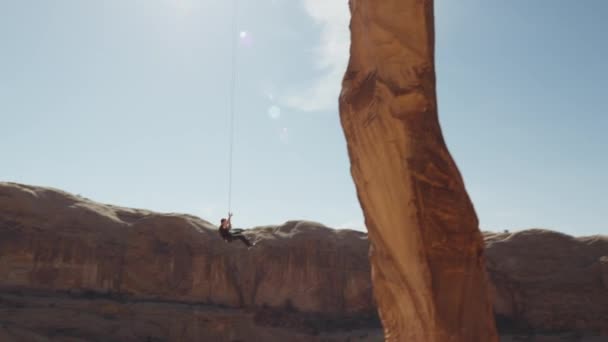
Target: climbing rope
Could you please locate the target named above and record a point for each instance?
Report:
(233, 39)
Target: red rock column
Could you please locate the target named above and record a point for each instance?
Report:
(426, 252)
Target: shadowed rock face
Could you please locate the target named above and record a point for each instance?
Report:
(428, 266)
(37, 318)
(548, 281)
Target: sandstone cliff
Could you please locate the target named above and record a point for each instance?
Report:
(75, 270)
(547, 281)
(426, 254)
(54, 241)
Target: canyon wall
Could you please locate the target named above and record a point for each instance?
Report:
(52, 240)
(74, 268)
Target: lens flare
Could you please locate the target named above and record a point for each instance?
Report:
(274, 112)
(245, 38)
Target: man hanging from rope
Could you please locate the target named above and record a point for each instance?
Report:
(227, 235)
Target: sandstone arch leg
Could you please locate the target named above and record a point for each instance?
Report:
(426, 251)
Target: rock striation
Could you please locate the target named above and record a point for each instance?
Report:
(72, 269)
(427, 253)
(53, 241)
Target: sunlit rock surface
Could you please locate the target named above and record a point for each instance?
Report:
(72, 269)
(427, 258)
(54, 242)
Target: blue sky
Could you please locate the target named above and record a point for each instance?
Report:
(127, 102)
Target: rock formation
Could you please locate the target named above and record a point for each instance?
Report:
(548, 281)
(44, 318)
(51, 241)
(427, 257)
(135, 274)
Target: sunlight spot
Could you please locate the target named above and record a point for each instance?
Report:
(274, 112)
(246, 38)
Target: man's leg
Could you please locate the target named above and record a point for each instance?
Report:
(244, 239)
(227, 237)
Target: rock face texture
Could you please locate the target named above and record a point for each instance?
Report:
(53, 241)
(427, 254)
(75, 270)
(547, 281)
(35, 318)
(29, 318)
